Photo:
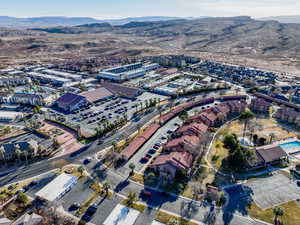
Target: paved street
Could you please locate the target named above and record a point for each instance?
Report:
(123, 186)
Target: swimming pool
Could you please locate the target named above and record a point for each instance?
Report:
(290, 145)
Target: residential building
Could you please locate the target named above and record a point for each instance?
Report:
(289, 115)
(169, 164)
(260, 105)
(139, 141)
(193, 129)
(183, 143)
(27, 149)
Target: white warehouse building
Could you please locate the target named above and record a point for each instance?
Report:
(127, 72)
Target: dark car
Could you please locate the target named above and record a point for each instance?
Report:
(151, 151)
(92, 209)
(87, 161)
(149, 156)
(156, 147)
(33, 183)
(146, 194)
(144, 159)
(74, 206)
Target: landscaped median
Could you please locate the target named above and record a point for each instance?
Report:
(165, 217)
(136, 206)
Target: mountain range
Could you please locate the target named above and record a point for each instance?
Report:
(283, 19)
(230, 39)
(38, 22)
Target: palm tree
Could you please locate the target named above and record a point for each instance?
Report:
(136, 107)
(141, 104)
(80, 169)
(18, 152)
(173, 221)
(114, 146)
(26, 156)
(131, 199)
(245, 117)
(146, 103)
(278, 211)
(106, 186)
(132, 167)
(2, 151)
(272, 136)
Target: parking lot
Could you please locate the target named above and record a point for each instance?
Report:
(159, 137)
(105, 206)
(79, 193)
(95, 115)
(274, 190)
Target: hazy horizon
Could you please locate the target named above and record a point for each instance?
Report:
(118, 9)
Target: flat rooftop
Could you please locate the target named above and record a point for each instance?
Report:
(122, 215)
(57, 187)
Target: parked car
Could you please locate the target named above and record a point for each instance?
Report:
(156, 147)
(87, 160)
(144, 159)
(151, 151)
(149, 156)
(146, 194)
(75, 206)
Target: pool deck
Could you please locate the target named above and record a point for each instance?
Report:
(289, 151)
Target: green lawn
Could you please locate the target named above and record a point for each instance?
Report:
(291, 213)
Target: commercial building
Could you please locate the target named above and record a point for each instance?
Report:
(127, 72)
(70, 102)
(97, 94)
(12, 81)
(63, 74)
(57, 187)
(124, 91)
(20, 98)
(9, 116)
(45, 78)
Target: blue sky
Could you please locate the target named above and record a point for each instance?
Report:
(104, 9)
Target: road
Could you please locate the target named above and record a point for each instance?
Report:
(58, 162)
(122, 185)
(171, 203)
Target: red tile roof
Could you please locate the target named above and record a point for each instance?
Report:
(196, 128)
(138, 142)
(182, 160)
(193, 140)
(279, 101)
